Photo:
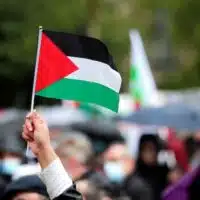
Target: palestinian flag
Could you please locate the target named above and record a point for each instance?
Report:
(79, 68)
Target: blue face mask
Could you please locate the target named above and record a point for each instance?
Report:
(9, 166)
(114, 171)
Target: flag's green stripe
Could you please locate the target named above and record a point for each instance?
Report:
(135, 85)
(134, 73)
(82, 91)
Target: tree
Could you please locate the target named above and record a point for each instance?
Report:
(109, 20)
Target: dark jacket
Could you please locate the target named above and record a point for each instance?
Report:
(70, 194)
(3, 184)
(132, 188)
(155, 175)
(194, 189)
(137, 189)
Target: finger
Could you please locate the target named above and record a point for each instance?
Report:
(27, 133)
(29, 125)
(30, 134)
(25, 130)
(38, 120)
(27, 137)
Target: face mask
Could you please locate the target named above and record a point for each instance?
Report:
(8, 166)
(114, 171)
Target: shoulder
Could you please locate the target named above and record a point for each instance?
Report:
(137, 182)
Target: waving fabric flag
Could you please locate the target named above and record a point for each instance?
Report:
(76, 68)
(142, 83)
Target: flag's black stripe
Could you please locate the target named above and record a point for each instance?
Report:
(81, 46)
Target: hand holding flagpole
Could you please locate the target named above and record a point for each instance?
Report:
(29, 153)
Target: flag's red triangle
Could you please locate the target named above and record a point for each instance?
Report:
(53, 64)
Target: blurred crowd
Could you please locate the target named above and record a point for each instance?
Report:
(96, 154)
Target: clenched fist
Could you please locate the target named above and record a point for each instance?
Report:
(36, 133)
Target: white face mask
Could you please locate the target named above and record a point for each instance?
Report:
(9, 165)
(114, 171)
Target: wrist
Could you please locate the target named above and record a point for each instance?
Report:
(46, 156)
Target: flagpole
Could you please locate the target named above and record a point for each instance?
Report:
(29, 153)
(36, 68)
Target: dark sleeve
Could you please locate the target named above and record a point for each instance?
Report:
(137, 189)
(70, 194)
(194, 189)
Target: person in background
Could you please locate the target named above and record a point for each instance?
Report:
(90, 190)
(195, 157)
(26, 170)
(11, 155)
(195, 160)
(58, 183)
(175, 174)
(75, 150)
(26, 188)
(147, 165)
(191, 145)
(119, 167)
(178, 147)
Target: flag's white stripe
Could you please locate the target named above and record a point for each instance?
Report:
(140, 61)
(95, 71)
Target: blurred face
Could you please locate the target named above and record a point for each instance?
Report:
(55, 135)
(72, 166)
(148, 153)
(117, 163)
(29, 196)
(9, 162)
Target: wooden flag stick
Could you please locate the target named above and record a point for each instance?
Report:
(29, 153)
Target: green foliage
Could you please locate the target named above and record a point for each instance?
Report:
(19, 28)
(109, 20)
